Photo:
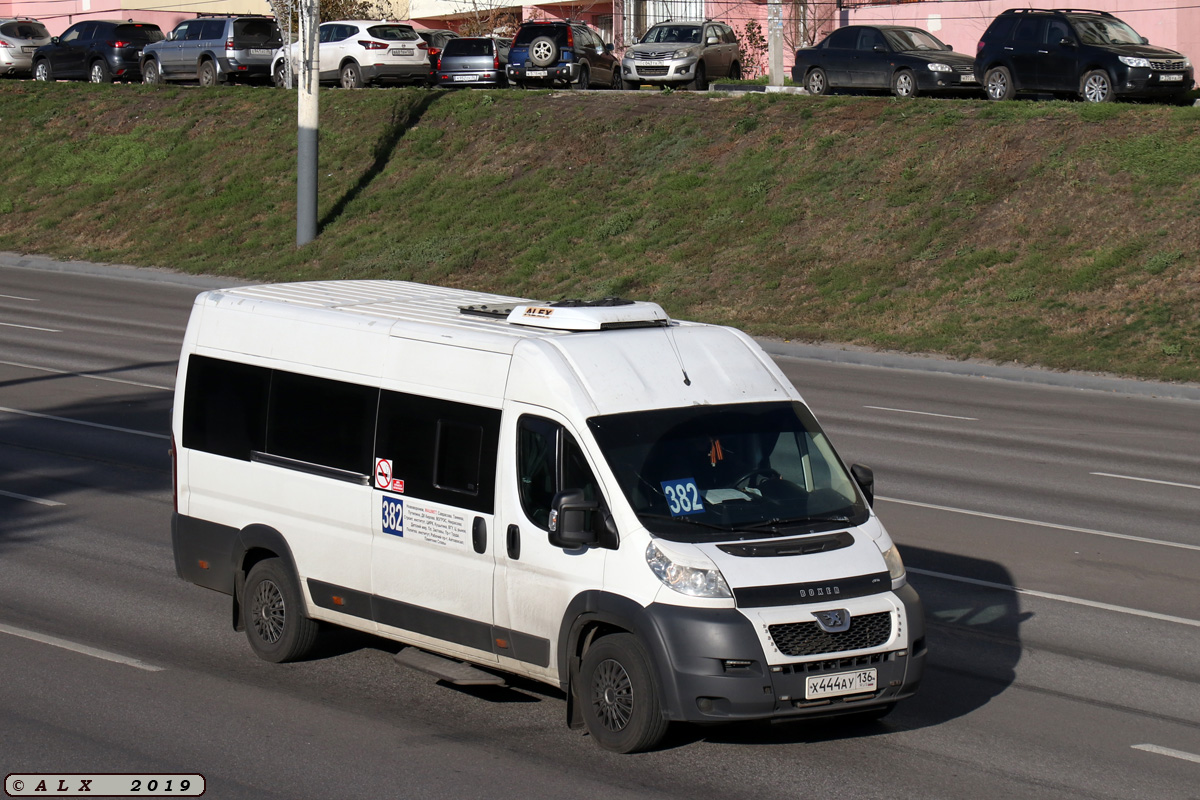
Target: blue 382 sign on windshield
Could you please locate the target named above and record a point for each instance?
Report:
(683, 497)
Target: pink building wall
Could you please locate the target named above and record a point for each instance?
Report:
(58, 15)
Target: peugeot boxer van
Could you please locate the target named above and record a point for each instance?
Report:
(638, 510)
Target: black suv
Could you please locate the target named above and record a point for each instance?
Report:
(562, 54)
(214, 49)
(98, 50)
(1090, 54)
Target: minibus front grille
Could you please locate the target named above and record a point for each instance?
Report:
(808, 639)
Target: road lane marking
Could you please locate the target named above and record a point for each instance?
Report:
(1166, 751)
(79, 648)
(14, 297)
(1145, 480)
(1039, 523)
(29, 327)
(86, 375)
(922, 413)
(1062, 598)
(37, 500)
(82, 422)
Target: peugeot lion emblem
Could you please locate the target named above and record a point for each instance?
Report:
(835, 620)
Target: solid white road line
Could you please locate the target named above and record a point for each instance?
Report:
(14, 297)
(86, 375)
(922, 413)
(37, 500)
(1166, 751)
(1145, 480)
(1062, 598)
(79, 648)
(82, 422)
(1054, 525)
(28, 327)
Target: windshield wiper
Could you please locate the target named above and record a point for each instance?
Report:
(687, 520)
(774, 524)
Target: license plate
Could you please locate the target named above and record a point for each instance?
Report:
(967, 79)
(259, 51)
(651, 63)
(1170, 77)
(535, 73)
(402, 51)
(466, 77)
(28, 49)
(841, 683)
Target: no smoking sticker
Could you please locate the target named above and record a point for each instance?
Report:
(383, 473)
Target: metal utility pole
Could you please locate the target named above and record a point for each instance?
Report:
(306, 142)
(775, 41)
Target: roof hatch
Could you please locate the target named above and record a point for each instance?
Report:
(607, 313)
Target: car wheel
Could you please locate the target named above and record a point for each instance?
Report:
(1096, 87)
(616, 83)
(207, 74)
(700, 80)
(584, 81)
(42, 72)
(619, 697)
(279, 77)
(99, 73)
(151, 73)
(543, 51)
(904, 84)
(351, 76)
(735, 71)
(273, 614)
(815, 82)
(998, 84)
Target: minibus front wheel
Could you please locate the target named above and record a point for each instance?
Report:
(619, 697)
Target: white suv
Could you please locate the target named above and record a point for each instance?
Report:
(355, 52)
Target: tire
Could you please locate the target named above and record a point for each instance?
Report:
(42, 71)
(700, 81)
(350, 77)
(206, 74)
(998, 85)
(815, 82)
(151, 74)
(273, 614)
(735, 71)
(99, 72)
(904, 84)
(543, 51)
(616, 84)
(279, 77)
(585, 79)
(1096, 87)
(619, 697)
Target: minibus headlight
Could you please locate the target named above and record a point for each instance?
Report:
(895, 566)
(689, 580)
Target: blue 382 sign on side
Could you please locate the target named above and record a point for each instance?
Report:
(393, 516)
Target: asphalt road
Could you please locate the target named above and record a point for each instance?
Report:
(1050, 530)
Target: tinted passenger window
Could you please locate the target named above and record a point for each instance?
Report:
(844, 38)
(319, 421)
(1027, 30)
(549, 461)
(468, 47)
(225, 407)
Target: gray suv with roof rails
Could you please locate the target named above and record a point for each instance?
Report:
(683, 53)
(213, 50)
(1092, 55)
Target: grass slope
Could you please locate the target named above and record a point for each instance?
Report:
(1060, 234)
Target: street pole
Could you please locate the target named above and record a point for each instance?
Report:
(306, 117)
(775, 42)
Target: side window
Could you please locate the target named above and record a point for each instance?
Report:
(181, 31)
(71, 34)
(321, 421)
(843, 39)
(325, 33)
(1056, 31)
(440, 450)
(868, 38)
(225, 407)
(549, 460)
(212, 29)
(1027, 30)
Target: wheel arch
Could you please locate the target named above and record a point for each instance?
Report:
(253, 544)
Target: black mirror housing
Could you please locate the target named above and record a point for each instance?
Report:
(569, 527)
(865, 478)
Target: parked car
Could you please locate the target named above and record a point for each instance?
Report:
(683, 54)
(472, 61)
(562, 54)
(908, 61)
(19, 37)
(355, 53)
(1089, 54)
(99, 50)
(436, 39)
(213, 49)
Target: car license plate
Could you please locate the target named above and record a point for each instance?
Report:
(535, 73)
(402, 51)
(1170, 77)
(841, 683)
(466, 77)
(651, 63)
(259, 51)
(967, 79)
(28, 49)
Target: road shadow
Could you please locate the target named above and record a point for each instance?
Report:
(404, 119)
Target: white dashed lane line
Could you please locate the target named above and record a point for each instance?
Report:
(1145, 480)
(83, 649)
(1166, 751)
(922, 413)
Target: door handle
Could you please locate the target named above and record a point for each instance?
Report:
(479, 535)
(514, 543)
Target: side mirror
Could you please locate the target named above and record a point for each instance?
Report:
(865, 478)
(713, 40)
(947, 47)
(608, 48)
(1067, 41)
(879, 48)
(1145, 40)
(570, 515)
(53, 40)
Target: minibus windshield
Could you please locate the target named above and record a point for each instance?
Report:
(706, 473)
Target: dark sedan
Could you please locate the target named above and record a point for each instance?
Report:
(98, 50)
(908, 61)
(472, 61)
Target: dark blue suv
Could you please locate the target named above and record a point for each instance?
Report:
(562, 54)
(1089, 54)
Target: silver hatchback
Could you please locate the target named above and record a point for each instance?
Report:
(683, 53)
(19, 37)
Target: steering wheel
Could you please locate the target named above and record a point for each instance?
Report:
(745, 481)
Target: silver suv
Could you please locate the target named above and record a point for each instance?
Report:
(19, 37)
(213, 50)
(683, 53)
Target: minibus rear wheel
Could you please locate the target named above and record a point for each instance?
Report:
(273, 614)
(619, 696)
